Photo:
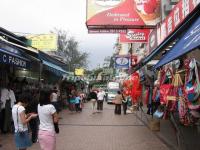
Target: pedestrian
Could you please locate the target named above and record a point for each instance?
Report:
(72, 100)
(32, 108)
(48, 117)
(8, 100)
(100, 98)
(118, 103)
(54, 99)
(93, 98)
(77, 103)
(21, 120)
(124, 103)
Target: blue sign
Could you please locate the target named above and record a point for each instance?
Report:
(189, 41)
(12, 59)
(122, 62)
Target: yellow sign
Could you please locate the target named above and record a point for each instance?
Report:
(44, 42)
(79, 72)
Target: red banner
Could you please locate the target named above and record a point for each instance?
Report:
(135, 35)
(173, 20)
(122, 13)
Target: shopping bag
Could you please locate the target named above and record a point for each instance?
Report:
(154, 124)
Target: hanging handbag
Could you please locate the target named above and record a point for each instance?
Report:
(165, 87)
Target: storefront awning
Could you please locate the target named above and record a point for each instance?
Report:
(54, 68)
(13, 56)
(189, 42)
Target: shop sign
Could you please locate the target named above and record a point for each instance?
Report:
(12, 60)
(134, 60)
(152, 44)
(174, 19)
(122, 13)
(122, 61)
(109, 71)
(44, 42)
(135, 35)
(107, 31)
(79, 72)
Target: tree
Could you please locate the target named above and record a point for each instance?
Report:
(69, 50)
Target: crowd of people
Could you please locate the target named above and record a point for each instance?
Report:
(98, 96)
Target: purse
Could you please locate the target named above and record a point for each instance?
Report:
(165, 87)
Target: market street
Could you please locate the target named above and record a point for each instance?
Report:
(100, 131)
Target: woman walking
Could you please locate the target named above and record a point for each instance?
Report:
(21, 120)
(48, 117)
(118, 103)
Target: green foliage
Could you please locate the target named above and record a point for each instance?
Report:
(69, 50)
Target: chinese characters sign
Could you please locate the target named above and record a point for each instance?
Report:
(175, 18)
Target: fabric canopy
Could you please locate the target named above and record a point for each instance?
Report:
(54, 68)
(189, 42)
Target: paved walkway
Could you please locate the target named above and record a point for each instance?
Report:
(100, 131)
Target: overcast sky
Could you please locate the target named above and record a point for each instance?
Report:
(41, 16)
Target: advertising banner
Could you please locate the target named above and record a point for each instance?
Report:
(122, 13)
(44, 42)
(135, 35)
(174, 19)
(122, 61)
(79, 72)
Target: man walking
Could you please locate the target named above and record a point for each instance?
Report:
(93, 98)
(100, 99)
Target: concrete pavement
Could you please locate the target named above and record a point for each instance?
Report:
(99, 131)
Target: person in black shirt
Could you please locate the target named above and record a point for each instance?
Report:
(93, 98)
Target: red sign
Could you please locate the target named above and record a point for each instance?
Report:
(122, 13)
(124, 31)
(175, 18)
(135, 35)
(134, 60)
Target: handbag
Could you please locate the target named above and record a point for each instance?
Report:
(57, 130)
(165, 87)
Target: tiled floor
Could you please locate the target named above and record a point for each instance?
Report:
(99, 131)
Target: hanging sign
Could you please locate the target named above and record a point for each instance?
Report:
(174, 19)
(122, 61)
(115, 14)
(13, 60)
(135, 35)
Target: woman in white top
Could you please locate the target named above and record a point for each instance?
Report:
(48, 117)
(21, 120)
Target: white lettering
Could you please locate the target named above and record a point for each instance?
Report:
(169, 25)
(185, 8)
(163, 31)
(196, 2)
(131, 35)
(176, 16)
(4, 58)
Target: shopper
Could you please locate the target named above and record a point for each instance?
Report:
(118, 103)
(21, 120)
(77, 103)
(32, 107)
(100, 96)
(124, 103)
(48, 117)
(93, 98)
(54, 99)
(8, 100)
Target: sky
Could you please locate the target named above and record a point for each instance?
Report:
(42, 16)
